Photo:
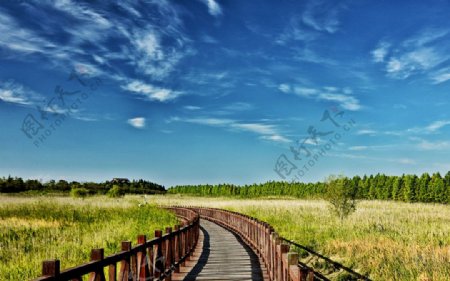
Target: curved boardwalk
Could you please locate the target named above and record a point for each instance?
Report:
(221, 255)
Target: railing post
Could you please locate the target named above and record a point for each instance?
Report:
(169, 251)
(112, 272)
(51, 268)
(283, 263)
(293, 269)
(158, 258)
(303, 274)
(142, 263)
(273, 247)
(125, 270)
(98, 275)
(183, 244)
(176, 246)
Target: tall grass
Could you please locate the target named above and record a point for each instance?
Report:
(387, 240)
(39, 228)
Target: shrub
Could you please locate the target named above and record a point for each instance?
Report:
(79, 192)
(341, 196)
(115, 192)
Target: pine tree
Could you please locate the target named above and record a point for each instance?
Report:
(397, 188)
(437, 188)
(409, 188)
(422, 194)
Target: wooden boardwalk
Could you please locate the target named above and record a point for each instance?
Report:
(221, 255)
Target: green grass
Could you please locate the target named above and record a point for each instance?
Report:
(388, 240)
(39, 228)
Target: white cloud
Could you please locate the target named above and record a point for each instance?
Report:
(151, 92)
(305, 92)
(380, 52)
(436, 145)
(13, 92)
(276, 138)
(209, 121)
(358, 147)
(441, 76)
(294, 31)
(437, 125)
(238, 106)
(341, 96)
(213, 7)
(192, 107)
(19, 39)
(322, 15)
(255, 128)
(347, 102)
(416, 61)
(266, 131)
(366, 132)
(285, 88)
(8, 95)
(419, 54)
(138, 122)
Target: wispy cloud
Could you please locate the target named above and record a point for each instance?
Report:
(422, 53)
(380, 52)
(433, 145)
(213, 7)
(265, 131)
(138, 122)
(153, 49)
(341, 96)
(322, 15)
(437, 125)
(440, 76)
(151, 92)
(192, 107)
(366, 132)
(13, 92)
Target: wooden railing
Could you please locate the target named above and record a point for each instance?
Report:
(282, 263)
(153, 259)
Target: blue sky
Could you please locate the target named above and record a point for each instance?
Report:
(209, 91)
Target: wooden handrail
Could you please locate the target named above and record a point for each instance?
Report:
(274, 250)
(153, 259)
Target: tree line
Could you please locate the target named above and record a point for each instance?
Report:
(408, 188)
(17, 185)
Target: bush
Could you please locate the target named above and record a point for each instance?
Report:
(79, 192)
(341, 196)
(115, 192)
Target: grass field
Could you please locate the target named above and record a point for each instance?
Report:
(38, 228)
(388, 240)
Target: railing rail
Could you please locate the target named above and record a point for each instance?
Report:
(275, 251)
(153, 259)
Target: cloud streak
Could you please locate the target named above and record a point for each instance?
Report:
(151, 92)
(265, 131)
(341, 96)
(423, 53)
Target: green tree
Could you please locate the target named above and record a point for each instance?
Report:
(341, 196)
(409, 188)
(437, 188)
(423, 194)
(397, 188)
